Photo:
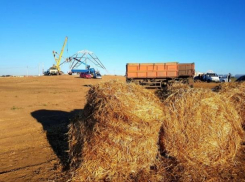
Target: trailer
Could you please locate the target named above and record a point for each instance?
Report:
(159, 74)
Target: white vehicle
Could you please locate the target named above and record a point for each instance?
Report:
(211, 77)
(98, 75)
(223, 78)
(51, 71)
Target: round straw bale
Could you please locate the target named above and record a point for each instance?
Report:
(166, 91)
(157, 173)
(236, 94)
(223, 87)
(117, 133)
(200, 127)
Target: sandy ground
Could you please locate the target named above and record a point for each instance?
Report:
(34, 115)
(34, 112)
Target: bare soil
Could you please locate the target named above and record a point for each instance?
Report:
(34, 115)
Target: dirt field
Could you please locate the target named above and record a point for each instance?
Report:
(35, 112)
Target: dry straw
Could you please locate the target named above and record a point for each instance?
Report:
(200, 129)
(235, 92)
(165, 92)
(115, 137)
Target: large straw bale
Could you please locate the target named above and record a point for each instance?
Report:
(116, 135)
(223, 87)
(201, 128)
(170, 89)
(157, 173)
(235, 92)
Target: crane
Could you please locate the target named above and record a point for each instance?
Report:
(58, 59)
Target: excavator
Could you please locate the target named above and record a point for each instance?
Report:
(55, 69)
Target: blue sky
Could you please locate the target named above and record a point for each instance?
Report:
(210, 33)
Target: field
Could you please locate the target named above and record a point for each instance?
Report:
(35, 113)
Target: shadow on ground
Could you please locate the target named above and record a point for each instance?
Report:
(55, 123)
(87, 85)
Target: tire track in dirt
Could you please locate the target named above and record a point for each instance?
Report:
(20, 168)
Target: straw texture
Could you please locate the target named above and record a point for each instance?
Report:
(200, 128)
(115, 138)
(165, 92)
(235, 92)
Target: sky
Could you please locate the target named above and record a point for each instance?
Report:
(209, 33)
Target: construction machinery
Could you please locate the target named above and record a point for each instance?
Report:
(81, 58)
(57, 58)
(51, 71)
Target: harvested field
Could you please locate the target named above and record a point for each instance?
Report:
(35, 114)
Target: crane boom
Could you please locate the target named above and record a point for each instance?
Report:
(57, 60)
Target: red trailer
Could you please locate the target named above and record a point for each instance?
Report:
(158, 74)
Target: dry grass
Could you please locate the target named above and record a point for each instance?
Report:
(202, 131)
(223, 87)
(235, 92)
(116, 136)
(169, 90)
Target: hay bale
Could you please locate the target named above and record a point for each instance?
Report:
(223, 87)
(201, 128)
(165, 92)
(157, 173)
(116, 136)
(236, 94)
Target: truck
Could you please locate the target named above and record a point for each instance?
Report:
(159, 74)
(211, 77)
(52, 71)
(223, 78)
(88, 70)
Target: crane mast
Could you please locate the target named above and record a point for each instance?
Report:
(57, 60)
